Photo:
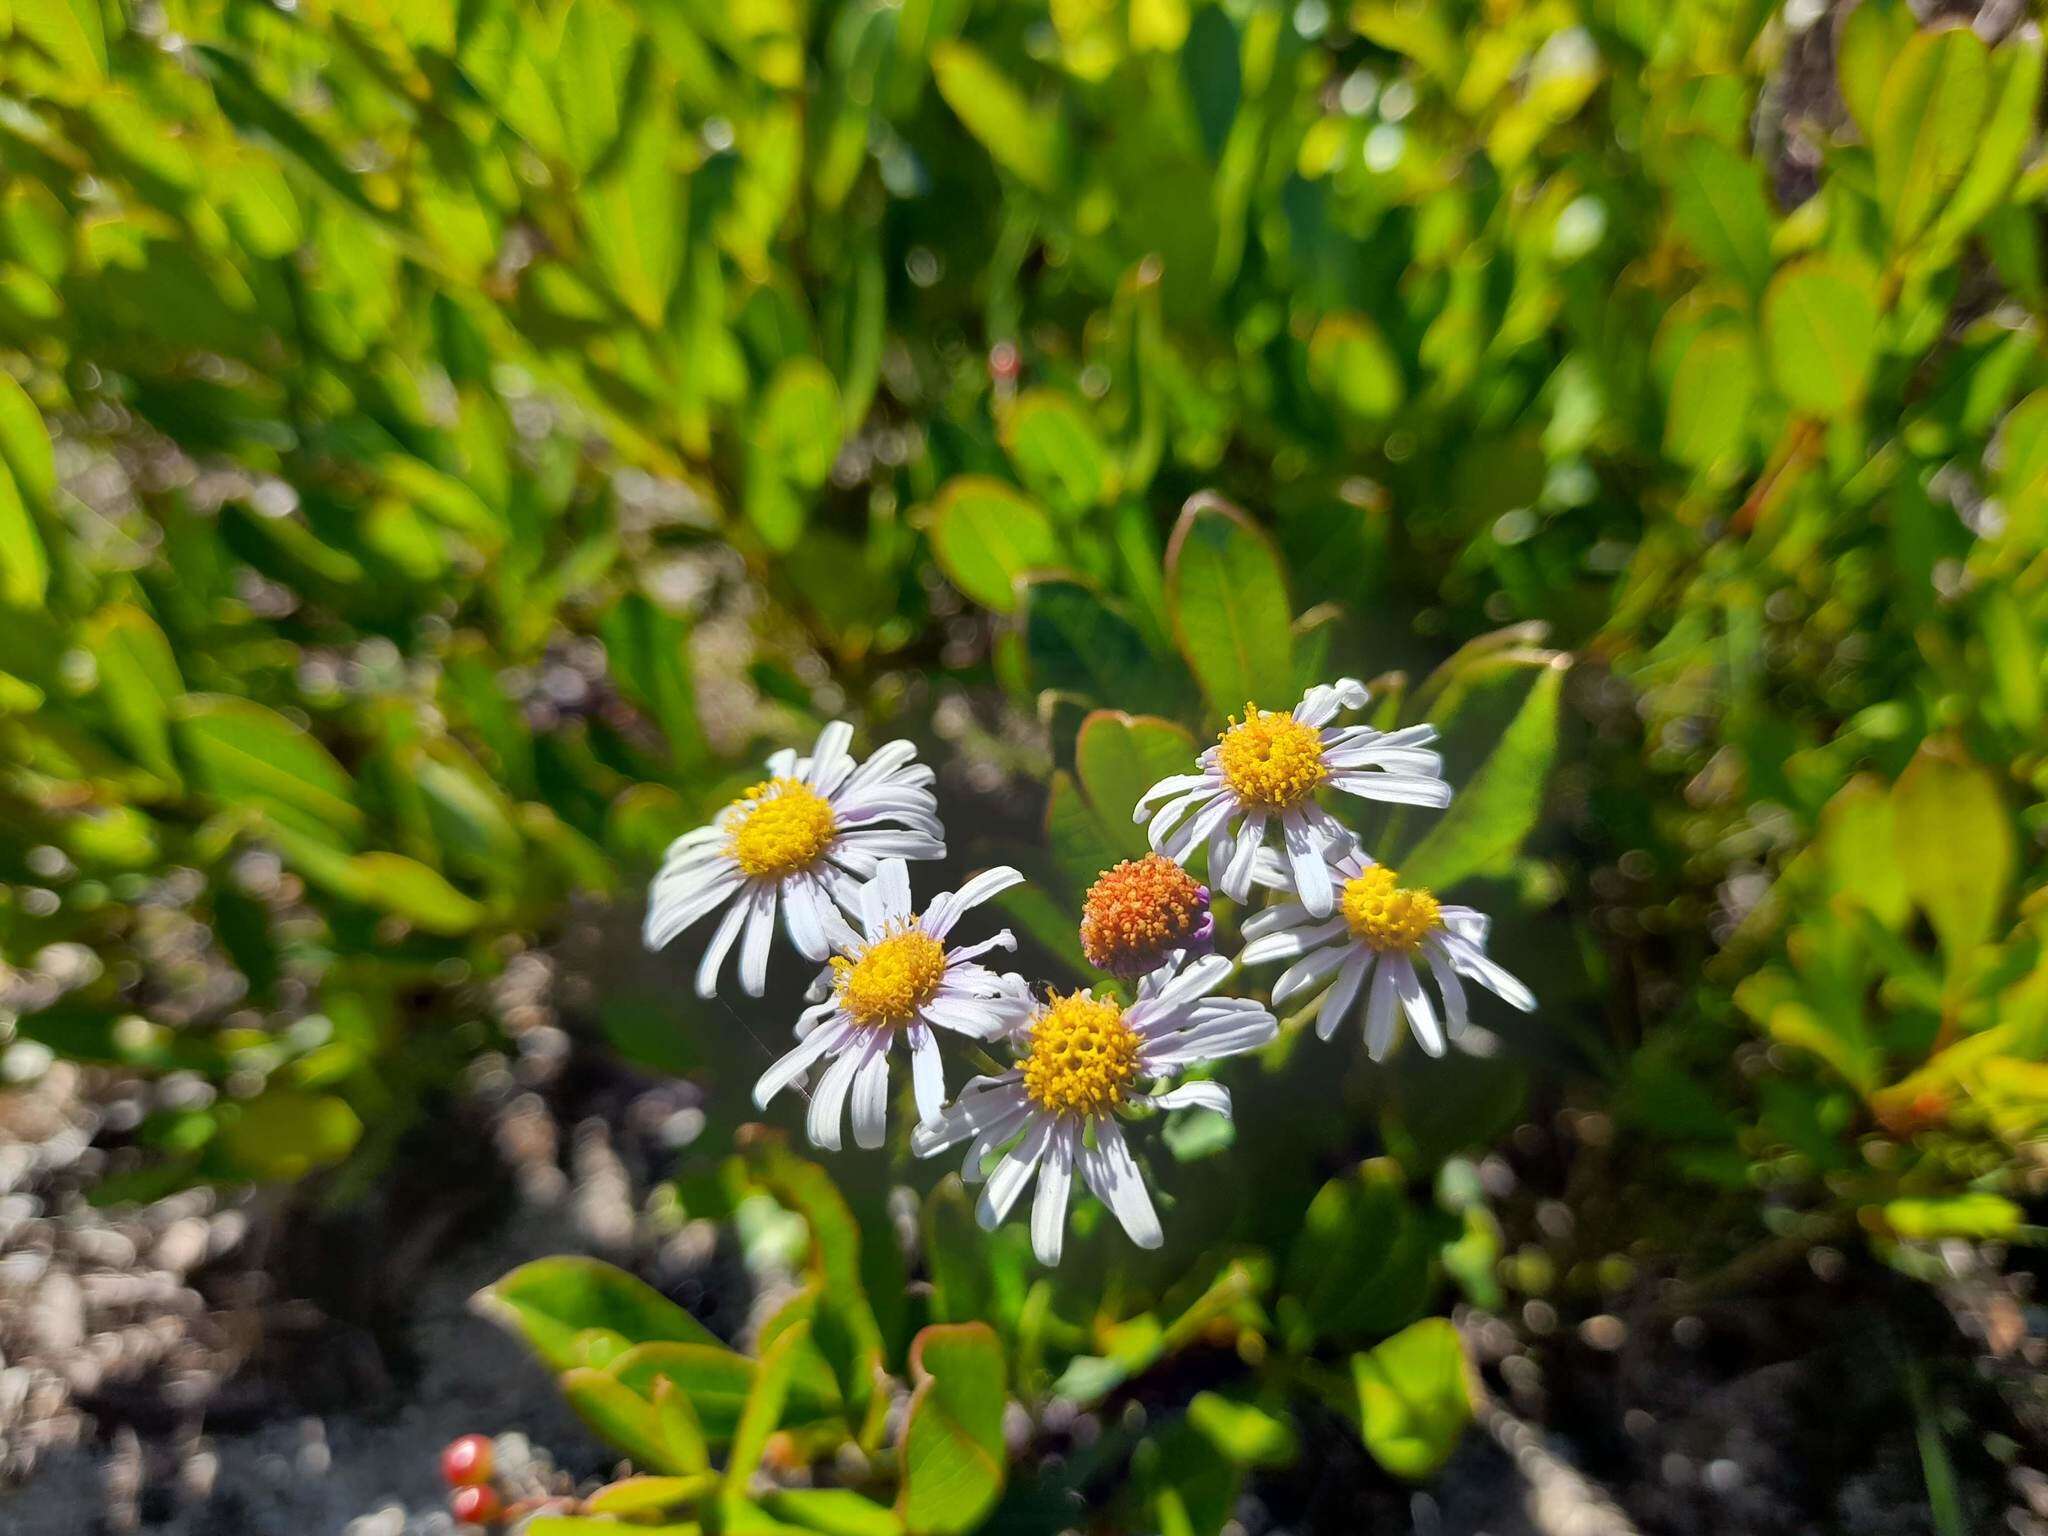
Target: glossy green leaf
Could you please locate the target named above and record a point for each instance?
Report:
(1707, 424)
(1227, 592)
(1057, 453)
(761, 1413)
(1078, 643)
(1820, 320)
(1489, 818)
(1928, 117)
(1869, 39)
(833, 1512)
(1351, 363)
(799, 423)
(138, 678)
(1414, 1398)
(953, 1459)
(619, 1416)
(283, 1134)
(1722, 209)
(1978, 1215)
(550, 1302)
(986, 535)
(1019, 136)
(635, 1496)
(1244, 1432)
(25, 445)
(1361, 1262)
(1118, 757)
(1954, 841)
(421, 895)
(243, 755)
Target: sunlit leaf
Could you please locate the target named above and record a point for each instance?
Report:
(953, 1459)
(1414, 1397)
(1820, 332)
(1227, 592)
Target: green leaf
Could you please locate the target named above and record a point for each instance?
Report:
(2002, 141)
(619, 1416)
(1057, 453)
(833, 1511)
(25, 445)
(713, 1380)
(1079, 644)
(283, 1134)
(1955, 844)
(1021, 138)
(1928, 117)
(799, 423)
(24, 563)
(551, 1302)
(1351, 363)
(1712, 392)
(681, 1431)
(1243, 1432)
(242, 755)
(421, 895)
(1820, 321)
(1227, 593)
(1869, 40)
(70, 32)
(1723, 210)
(632, 1496)
(1414, 1398)
(986, 535)
(1361, 1261)
(1489, 819)
(761, 1414)
(139, 681)
(635, 216)
(1118, 757)
(953, 1438)
(1977, 1214)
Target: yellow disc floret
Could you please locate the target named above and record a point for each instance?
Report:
(1082, 1056)
(1138, 911)
(1382, 914)
(781, 826)
(895, 976)
(1271, 759)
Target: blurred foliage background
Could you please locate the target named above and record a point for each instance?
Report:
(446, 445)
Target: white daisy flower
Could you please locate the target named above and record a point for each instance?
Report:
(804, 838)
(1266, 769)
(1371, 946)
(1079, 1060)
(899, 980)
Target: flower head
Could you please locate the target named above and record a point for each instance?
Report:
(1372, 947)
(1266, 769)
(802, 839)
(1137, 915)
(1080, 1061)
(898, 979)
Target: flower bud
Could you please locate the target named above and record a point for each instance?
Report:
(1139, 913)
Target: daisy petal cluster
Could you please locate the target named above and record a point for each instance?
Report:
(1079, 1061)
(825, 842)
(1262, 777)
(802, 840)
(1348, 925)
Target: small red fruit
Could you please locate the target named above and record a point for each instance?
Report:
(475, 1505)
(466, 1462)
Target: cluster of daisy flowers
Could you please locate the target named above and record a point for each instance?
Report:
(825, 845)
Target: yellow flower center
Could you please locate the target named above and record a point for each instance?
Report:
(782, 826)
(1387, 917)
(894, 978)
(1269, 758)
(1082, 1058)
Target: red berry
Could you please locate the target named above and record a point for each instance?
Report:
(475, 1505)
(467, 1462)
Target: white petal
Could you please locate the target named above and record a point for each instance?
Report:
(721, 940)
(1343, 992)
(674, 905)
(1173, 784)
(871, 1096)
(1497, 980)
(1289, 943)
(927, 1072)
(1049, 1210)
(885, 900)
(1319, 706)
(1421, 1017)
(1158, 833)
(1311, 869)
(1225, 1034)
(1236, 879)
(1307, 972)
(882, 764)
(1282, 914)
(1012, 1174)
(1380, 1005)
(863, 849)
(760, 934)
(828, 1103)
(1195, 1095)
(782, 764)
(945, 909)
(1445, 970)
(1117, 1184)
(1197, 979)
(957, 957)
(1198, 828)
(794, 1064)
(1467, 923)
(982, 1103)
(829, 762)
(804, 909)
(1394, 788)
